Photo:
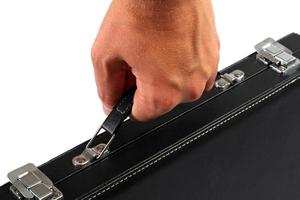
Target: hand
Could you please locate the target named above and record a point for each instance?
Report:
(168, 48)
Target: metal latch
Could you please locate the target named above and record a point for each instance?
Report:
(28, 182)
(229, 79)
(111, 124)
(277, 56)
(92, 153)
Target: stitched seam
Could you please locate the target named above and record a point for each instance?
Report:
(191, 140)
(127, 107)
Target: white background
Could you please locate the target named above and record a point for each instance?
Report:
(48, 100)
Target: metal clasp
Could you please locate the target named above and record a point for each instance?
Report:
(30, 183)
(111, 124)
(229, 79)
(92, 153)
(277, 56)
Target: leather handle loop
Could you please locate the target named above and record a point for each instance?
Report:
(120, 112)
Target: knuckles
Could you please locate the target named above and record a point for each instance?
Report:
(98, 55)
(105, 98)
(194, 91)
(94, 53)
(156, 104)
(163, 105)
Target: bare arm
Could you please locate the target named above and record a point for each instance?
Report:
(168, 48)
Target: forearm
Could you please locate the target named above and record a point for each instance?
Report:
(165, 14)
(159, 5)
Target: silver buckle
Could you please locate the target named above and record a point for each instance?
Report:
(93, 153)
(277, 56)
(30, 183)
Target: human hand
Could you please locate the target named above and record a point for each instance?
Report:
(168, 48)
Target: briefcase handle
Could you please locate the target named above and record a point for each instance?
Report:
(111, 124)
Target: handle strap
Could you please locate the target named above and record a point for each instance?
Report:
(111, 124)
(119, 113)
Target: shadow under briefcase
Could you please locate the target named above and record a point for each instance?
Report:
(239, 141)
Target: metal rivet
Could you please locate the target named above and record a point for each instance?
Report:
(282, 68)
(239, 75)
(56, 195)
(222, 83)
(80, 160)
(99, 148)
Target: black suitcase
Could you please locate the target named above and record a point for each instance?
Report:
(239, 141)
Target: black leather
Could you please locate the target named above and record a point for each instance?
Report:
(208, 149)
(142, 154)
(256, 156)
(120, 112)
(130, 131)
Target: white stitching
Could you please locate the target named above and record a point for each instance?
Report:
(191, 140)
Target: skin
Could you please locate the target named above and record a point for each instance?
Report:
(169, 49)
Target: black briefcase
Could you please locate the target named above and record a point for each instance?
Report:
(239, 141)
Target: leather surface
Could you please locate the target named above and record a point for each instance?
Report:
(153, 148)
(60, 168)
(138, 141)
(170, 133)
(120, 112)
(256, 156)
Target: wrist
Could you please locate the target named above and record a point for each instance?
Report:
(155, 5)
(162, 13)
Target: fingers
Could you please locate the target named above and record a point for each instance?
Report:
(169, 68)
(151, 102)
(193, 90)
(113, 78)
(211, 82)
(199, 83)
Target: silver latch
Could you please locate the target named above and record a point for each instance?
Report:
(229, 79)
(92, 153)
(28, 182)
(277, 56)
